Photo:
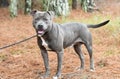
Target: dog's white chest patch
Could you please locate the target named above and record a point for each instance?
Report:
(45, 44)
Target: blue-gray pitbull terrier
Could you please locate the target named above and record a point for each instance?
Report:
(60, 36)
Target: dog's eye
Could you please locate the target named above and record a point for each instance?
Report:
(45, 19)
(37, 19)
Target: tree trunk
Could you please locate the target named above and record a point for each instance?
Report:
(74, 4)
(4, 3)
(13, 8)
(60, 7)
(88, 5)
(28, 6)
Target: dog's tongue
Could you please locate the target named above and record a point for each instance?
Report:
(40, 32)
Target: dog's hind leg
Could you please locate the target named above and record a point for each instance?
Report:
(89, 48)
(77, 48)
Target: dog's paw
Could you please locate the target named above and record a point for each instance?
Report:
(55, 77)
(92, 70)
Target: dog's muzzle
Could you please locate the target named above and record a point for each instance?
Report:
(40, 30)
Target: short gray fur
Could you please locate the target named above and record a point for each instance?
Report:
(60, 36)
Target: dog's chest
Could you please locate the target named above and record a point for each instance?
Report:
(45, 44)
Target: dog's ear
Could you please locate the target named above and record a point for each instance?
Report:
(33, 12)
(51, 13)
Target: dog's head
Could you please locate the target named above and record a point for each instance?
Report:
(42, 21)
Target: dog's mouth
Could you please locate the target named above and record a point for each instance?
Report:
(40, 32)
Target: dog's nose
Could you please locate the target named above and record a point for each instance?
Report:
(40, 26)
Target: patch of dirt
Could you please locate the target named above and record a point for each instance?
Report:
(24, 61)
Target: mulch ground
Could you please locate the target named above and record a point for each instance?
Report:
(24, 61)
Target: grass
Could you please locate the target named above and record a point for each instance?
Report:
(2, 57)
(93, 18)
(102, 63)
(17, 52)
(109, 52)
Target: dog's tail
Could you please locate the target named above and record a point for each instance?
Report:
(98, 25)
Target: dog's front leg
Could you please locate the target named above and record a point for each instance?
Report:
(46, 62)
(59, 67)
